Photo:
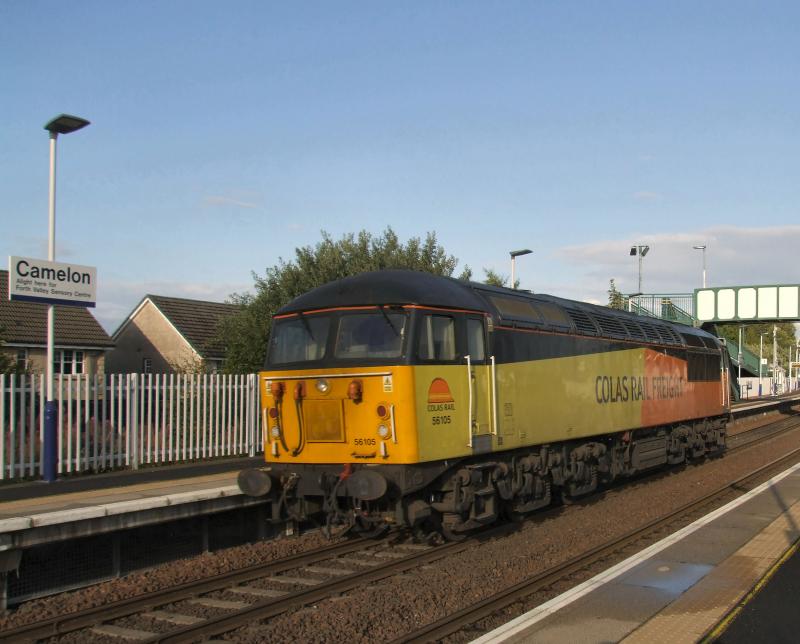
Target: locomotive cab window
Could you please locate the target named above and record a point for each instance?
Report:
(371, 335)
(475, 344)
(300, 339)
(437, 338)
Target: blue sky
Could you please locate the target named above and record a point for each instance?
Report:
(225, 135)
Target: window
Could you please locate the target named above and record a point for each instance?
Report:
(551, 314)
(437, 340)
(22, 359)
(371, 335)
(514, 308)
(475, 340)
(299, 339)
(67, 361)
(147, 365)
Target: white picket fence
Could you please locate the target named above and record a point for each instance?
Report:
(127, 420)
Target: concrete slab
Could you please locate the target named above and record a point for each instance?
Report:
(15, 523)
(134, 505)
(666, 575)
(67, 516)
(598, 618)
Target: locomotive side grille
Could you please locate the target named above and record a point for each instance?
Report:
(611, 327)
(668, 335)
(323, 421)
(634, 330)
(651, 332)
(582, 321)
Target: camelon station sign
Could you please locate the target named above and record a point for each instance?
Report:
(37, 280)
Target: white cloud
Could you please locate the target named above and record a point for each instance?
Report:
(220, 200)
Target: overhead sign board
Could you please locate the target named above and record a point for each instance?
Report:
(37, 280)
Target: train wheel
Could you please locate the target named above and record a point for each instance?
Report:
(369, 529)
(449, 521)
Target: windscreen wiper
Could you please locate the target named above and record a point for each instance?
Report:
(388, 320)
(306, 325)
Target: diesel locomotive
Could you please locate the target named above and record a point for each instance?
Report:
(400, 398)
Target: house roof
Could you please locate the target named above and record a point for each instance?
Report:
(197, 321)
(26, 323)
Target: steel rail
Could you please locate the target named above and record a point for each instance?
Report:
(487, 607)
(63, 624)
(762, 433)
(270, 607)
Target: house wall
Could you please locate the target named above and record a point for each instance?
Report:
(93, 361)
(148, 335)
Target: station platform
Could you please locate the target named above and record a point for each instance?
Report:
(81, 511)
(35, 512)
(699, 584)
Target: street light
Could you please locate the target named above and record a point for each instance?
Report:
(63, 124)
(703, 248)
(760, 358)
(739, 357)
(641, 251)
(514, 254)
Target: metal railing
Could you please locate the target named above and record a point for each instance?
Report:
(674, 307)
(128, 420)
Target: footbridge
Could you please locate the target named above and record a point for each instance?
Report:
(707, 307)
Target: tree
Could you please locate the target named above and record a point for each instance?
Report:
(493, 278)
(246, 333)
(751, 336)
(7, 363)
(615, 298)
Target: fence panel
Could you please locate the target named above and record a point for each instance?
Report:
(119, 421)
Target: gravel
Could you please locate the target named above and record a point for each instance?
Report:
(385, 610)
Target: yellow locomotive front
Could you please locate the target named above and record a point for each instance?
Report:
(357, 407)
(357, 399)
(339, 416)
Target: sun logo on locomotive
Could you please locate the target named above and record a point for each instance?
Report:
(439, 396)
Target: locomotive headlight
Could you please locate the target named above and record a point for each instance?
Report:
(323, 386)
(275, 431)
(383, 431)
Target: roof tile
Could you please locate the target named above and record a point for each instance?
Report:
(26, 323)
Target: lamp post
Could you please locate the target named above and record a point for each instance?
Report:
(760, 358)
(797, 360)
(514, 254)
(641, 251)
(741, 329)
(774, 360)
(63, 124)
(703, 248)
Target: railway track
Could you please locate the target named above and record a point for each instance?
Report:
(762, 432)
(259, 592)
(247, 595)
(584, 562)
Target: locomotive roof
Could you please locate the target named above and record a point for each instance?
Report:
(389, 287)
(509, 307)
